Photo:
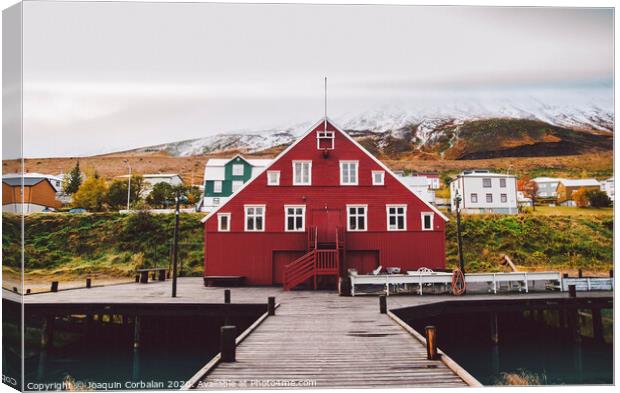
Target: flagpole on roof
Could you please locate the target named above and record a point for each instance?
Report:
(325, 121)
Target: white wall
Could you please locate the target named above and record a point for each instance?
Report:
(468, 185)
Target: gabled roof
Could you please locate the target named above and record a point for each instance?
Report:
(285, 151)
(212, 162)
(580, 182)
(28, 181)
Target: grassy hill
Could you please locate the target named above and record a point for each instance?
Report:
(67, 246)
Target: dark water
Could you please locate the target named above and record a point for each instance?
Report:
(540, 350)
(171, 351)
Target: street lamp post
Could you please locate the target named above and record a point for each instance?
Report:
(128, 184)
(457, 201)
(175, 245)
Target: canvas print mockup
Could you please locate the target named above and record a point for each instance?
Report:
(294, 196)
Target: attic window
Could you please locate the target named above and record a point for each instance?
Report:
(325, 140)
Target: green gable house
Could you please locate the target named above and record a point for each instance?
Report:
(224, 176)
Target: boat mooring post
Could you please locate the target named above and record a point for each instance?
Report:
(431, 342)
(383, 304)
(572, 291)
(271, 305)
(175, 244)
(88, 282)
(54, 287)
(228, 347)
(227, 296)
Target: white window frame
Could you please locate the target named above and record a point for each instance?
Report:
(234, 166)
(232, 185)
(382, 173)
(217, 189)
(484, 180)
(365, 218)
(503, 198)
(219, 221)
(277, 181)
(486, 198)
(216, 201)
(303, 217)
(344, 163)
(471, 197)
(325, 135)
(301, 183)
(387, 214)
(245, 218)
(502, 182)
(432, 215)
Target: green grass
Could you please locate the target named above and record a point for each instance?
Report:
(570, 211)
(69, 246)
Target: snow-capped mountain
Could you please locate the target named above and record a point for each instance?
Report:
(422, 123)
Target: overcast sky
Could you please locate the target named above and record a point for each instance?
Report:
(101, 77)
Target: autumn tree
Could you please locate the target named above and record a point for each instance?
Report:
(117, 194)
(92, 194)
(529, 188)
(580, 198)
(162, 195)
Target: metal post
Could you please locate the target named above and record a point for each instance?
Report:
(227, 296)
(431, 342)
(458, 233)
(128, 184)
(175, 254)
(271, 306)
(383, 304)
(228, 347)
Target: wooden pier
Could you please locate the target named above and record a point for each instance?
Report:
(319, 340)
(316, 339)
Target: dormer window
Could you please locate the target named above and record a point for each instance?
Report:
(325, 140)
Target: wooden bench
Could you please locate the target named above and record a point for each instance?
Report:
(224, 281)
(158, 272)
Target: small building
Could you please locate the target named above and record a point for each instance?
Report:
(323, 206)
(39, 195)
(223, 177)
(567, 187)
(150, 179)
(482, 191)
(547, 187)
(421, 185)
(607, 185)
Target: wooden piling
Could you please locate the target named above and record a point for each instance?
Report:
(54, 287)
(228, 347)
(574, 330)
(494, 328)
(431, 342)
(271, 306)
(611, 273)
(88, 282)
(597, 325)
(383, 304)
(136, 332)
(580, 273)
(47, 333)
(227, 296)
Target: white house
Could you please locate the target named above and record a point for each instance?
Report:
(608, 186)
(224, 176)
(422, 186)
(547, 186)
(150, 179)
(482, 191)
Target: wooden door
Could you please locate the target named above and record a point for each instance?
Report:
(327, 223)
(280, 260)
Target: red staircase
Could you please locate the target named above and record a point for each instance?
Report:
(316, 262)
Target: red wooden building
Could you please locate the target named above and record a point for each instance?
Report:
(324, 205)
